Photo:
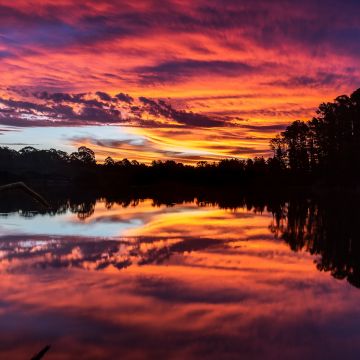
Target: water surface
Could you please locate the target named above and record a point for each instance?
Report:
(138, 280)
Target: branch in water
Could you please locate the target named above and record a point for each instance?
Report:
(41, 354)
(25, 188)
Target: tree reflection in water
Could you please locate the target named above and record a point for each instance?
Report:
(328, 228)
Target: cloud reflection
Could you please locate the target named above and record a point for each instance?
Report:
(214, 292)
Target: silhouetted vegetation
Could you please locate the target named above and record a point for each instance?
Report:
(327, 147)
(327, 227)
(323, 150)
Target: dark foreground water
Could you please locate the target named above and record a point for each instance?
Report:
(188, 281)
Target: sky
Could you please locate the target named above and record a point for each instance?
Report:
(175, 79)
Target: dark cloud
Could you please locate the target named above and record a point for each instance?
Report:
(100, 115)
(49, 29)
(56, 109)
(103, 96)
(57, 97)
(112, 76)
(315, 26)
(170, 71)
(71, 98)
(321, 79)
(111, 143)
(161, 108)
(264, 128)
(23, 106)
(226, 97)
(124, 97)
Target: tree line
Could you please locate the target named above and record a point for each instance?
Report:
(326, 145)
(325, 149)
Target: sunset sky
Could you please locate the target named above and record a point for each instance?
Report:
(175, 79)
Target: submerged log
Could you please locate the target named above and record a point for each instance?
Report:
(26, 189)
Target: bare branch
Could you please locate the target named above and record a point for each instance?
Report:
(41, 354)
(25, 188)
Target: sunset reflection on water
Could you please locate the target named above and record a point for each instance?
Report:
(177, 282)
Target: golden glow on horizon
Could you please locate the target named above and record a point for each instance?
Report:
(186, 145)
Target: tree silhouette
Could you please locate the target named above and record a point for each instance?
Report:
(84, 155)
(328, 144)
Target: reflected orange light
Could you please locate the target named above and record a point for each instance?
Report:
(242, 278)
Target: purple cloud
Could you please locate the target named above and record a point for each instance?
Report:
(174, 70)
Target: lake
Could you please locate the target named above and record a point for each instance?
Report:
(139, 279)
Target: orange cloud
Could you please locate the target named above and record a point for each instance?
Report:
(249, 63)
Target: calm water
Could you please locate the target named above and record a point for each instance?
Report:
(138, 281)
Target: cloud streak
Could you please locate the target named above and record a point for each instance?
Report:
(171, 71)
(251, 66)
